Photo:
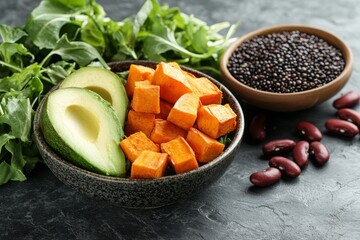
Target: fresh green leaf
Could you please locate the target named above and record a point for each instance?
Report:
(56, 72)
(15, 54)
(77, 51)
(8, 172)
(18, 81)
(4, 139)
(141, 16)
(17, 114)
(45, 22)
(92, 34)
(119, 41)
(11, 34)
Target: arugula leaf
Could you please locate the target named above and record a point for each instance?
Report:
(119, 38)
(11, 34)
(45, 21)
(18, 81)
(17, 114)
(15, 55)
(58, 71)
(9, 172)
(162, 39)
(92, 34)
(4, 139)
(77, 51)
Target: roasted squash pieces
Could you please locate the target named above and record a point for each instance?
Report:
(174, 121)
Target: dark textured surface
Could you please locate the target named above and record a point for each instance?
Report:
(323, 203)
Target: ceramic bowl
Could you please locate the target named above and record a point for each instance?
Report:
(287, 102)
(133, 193)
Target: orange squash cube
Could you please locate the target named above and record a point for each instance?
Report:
(165, 109)
(216, 120)
(206, 148)
(146, 98)
(137, 121)
(181, 156)
(149, 165)
(165, 131)
(172, 81)
(137, 73)
(207, 91)
(184, 112)
(135, 144)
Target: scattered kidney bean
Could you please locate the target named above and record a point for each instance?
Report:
(301, 153)
(278, 146)
(265, 178)
(309, 131)
(319, 152)
(257, 127)
(349, 115)
(347, 100)
(341, 127)
(286, 166)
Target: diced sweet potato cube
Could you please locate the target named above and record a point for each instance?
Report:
(181, 156)
(184, 112)
(144, 82)
(172, 81)
(149, 165)
(137, 73)
(165, 131)
(216, 120)
(165, 109)
(207, 91)
(175, 65)
(135, 144)
(137, 121)
(146, 98)
(206, 148)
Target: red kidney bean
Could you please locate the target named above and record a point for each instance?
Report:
(319, 152)
(278, 146)
(349, 115)
(257, 127)
(286, 166)
(265, 178)
(301, 153)
(309, 131)
(347, 100)
(341, 127)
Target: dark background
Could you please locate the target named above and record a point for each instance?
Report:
(323, 203)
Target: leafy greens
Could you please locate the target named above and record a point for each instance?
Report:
(60, 36)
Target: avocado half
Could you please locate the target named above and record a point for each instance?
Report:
(105, 83)
(84, 129)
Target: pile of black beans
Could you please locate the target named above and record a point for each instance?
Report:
(286, 62)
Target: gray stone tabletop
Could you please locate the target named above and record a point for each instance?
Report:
(322, 203)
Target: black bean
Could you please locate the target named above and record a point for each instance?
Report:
(286, 62)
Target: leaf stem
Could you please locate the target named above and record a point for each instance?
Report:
(10, 66)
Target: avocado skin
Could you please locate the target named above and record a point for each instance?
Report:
(58, 144)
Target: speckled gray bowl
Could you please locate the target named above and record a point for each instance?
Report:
(142, 193)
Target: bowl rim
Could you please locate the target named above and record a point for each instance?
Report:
(126, 180)
(345, 50)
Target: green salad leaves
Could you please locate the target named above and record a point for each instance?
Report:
(60, 36)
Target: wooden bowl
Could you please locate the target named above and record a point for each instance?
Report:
(142, 193)
(288, 102)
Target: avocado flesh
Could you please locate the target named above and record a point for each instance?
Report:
(105, 83)
(84, 129)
